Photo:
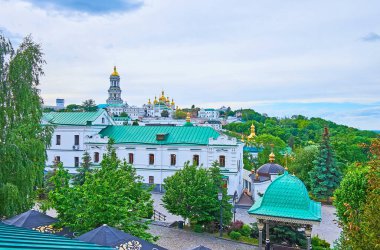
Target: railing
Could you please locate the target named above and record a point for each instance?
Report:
(158, 216)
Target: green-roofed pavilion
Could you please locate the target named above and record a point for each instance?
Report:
(12, 237)
(286, 201)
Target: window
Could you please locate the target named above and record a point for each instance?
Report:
(76, 161)
(151, 179)
(96, 157)
(151, 159)
(196, 160)
(103, 120)
(58, 140)
(57, 159)
(76, 140)
(130, 158)
(173, 159)
(222, 161)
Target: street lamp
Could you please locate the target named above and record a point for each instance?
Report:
(220, 197)
(234, 201)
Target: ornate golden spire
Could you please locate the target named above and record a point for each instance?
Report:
(271, 155)
(172, 102)
(188, 117)
(155, 100)
(253, 134)
(114, 73)
(149, 101)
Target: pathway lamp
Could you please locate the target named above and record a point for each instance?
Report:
(220, 198)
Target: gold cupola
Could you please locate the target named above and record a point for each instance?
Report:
(188, 117)
(155, 100)
(253, 133)
(149, 101)
(114, 73)
(271, 155)
(172, 102)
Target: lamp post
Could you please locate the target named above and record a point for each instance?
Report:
(220, 197)
(234, 200)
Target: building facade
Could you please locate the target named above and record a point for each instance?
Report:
(208, 114)
(156, 152)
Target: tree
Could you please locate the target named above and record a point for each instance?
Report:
(83, 170)
(303, 163)
(73, 108)
(325, 175)
(164, 113)
(123, 114)
(112, 195)
(22, 140)
(179, 114)
(265, 142)
(192, 193)
(89, 105)
(135, 123)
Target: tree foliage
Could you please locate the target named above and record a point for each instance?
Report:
(325, 175)
(22, 139)
(112, 195)
(303, 163)
(83, 170)
(165, 113)
(89, 105)
(192, 193)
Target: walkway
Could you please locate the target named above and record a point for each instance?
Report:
(179, 239)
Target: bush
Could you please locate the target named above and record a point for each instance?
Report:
(245, 230)
(236, 226)
(235, 235)
(319, 244)
(212, 227)
(198, 228)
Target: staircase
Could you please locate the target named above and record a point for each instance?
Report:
(158, 216)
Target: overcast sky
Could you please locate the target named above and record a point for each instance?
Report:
(316, 58)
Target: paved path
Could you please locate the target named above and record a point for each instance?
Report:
(179, 239)
(327, 230)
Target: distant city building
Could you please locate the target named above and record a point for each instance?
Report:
(208, 113)
(60, 103)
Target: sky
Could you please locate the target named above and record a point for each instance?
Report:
(316, 58)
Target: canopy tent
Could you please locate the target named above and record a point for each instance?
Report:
(286, 201)
(38, 221)
(109, 236)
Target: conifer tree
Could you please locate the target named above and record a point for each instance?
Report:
(325, 175)
(22, 139)
(83, 170)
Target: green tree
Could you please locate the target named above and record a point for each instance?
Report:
(303, 163)
(192, 193)
(325, 175)
(265, 142)
(89, 105)
(112, 195)
(73, 108)
(164, 113)
(179, 114)
(352, 192)
(83, 170)
(135, 123)
(123, 114)
(22, 140)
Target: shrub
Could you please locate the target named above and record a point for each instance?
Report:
(245, 230)
(212, 227)
(319, 244)
(236, 226)
(198, 228)
(235, 235)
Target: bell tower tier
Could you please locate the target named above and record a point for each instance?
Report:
(114, 91)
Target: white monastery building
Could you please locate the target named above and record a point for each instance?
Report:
(155, 151)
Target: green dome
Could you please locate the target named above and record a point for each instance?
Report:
(287, 197)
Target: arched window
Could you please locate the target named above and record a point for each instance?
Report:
(196, 160)
(222, 161)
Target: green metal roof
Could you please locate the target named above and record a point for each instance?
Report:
(147, 134)
(287, 197)
(72, 118)
(12, 237)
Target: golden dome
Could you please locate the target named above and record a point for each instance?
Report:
(114, 73)
(271, 157)
(155, 100)
(253, 133)
(167, 99)
(172, 102)
(149, 101)
(188, 117)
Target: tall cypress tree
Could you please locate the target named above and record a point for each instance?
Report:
(325, 175)
(22, 139)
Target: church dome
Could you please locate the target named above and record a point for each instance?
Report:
(270, 168)
(287, 197)
(114, 73)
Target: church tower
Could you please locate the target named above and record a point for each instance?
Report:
(114, 92)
